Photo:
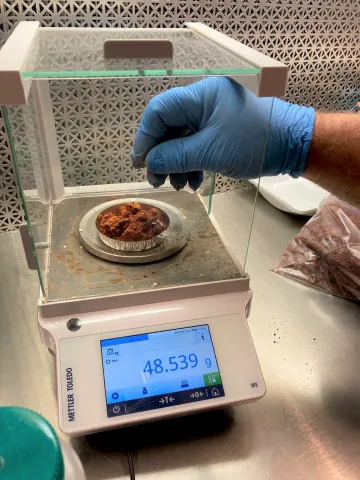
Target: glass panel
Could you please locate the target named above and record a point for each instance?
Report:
(24, 142)
(65, 53)
(231, 203)
(95, 121)
(72, 146)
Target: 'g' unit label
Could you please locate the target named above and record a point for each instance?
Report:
(70, 395)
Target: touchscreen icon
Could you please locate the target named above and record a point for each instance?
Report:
(215, 392)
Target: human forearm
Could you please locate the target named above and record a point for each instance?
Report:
(333, 160)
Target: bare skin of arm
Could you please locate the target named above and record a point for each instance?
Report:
(334, 156)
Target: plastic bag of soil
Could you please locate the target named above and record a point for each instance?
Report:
(326, 252)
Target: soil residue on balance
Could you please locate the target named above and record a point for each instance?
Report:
(131, 222)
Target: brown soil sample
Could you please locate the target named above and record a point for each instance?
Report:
(131, 223)
(326, 252)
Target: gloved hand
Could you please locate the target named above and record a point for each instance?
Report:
(230, 126)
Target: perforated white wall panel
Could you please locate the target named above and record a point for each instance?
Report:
(96, 121)
(318, 39)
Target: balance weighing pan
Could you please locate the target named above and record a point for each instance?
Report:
(176, 237)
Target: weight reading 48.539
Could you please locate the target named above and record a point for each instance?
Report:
(180, 362)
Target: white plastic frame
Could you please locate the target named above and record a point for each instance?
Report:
(270, 82)
(14, 89)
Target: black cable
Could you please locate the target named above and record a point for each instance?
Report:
(131, 465)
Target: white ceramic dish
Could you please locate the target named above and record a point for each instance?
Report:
(298, 196)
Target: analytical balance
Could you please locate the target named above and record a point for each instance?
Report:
(143, 335)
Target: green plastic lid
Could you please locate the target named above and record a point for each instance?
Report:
(29, 447)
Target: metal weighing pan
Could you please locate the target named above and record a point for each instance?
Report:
(177, 234)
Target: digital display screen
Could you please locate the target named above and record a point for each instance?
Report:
(159, 370)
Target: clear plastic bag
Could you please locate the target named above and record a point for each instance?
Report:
(326, 252)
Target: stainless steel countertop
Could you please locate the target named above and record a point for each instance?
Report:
(306, 427)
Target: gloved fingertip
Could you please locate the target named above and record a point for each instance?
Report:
(178, 180)
(138, 161)
(156, 180)
(195, 179)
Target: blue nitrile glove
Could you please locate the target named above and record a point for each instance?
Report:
(230, 126)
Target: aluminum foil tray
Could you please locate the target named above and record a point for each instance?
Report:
(135, 246)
